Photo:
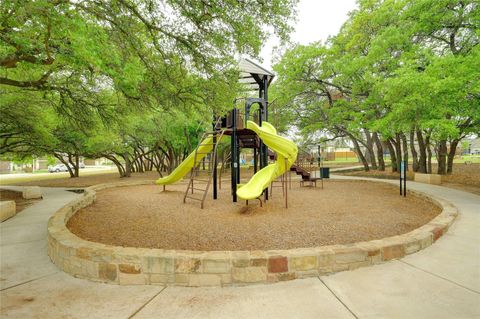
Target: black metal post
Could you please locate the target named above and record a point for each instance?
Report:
(319, 159)
(238, 161)
(234, 157)
(215, 160)
(265, 115)
(265, 95)
(401, 191)
(405, 179)
(402, 174)
(260, 144)
(255, 160)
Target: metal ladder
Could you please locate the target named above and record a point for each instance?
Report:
(202, 185)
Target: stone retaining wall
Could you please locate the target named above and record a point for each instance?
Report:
(126, 266)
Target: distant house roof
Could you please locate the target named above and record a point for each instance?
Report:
(252, 74)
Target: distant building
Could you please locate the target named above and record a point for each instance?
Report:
(6, 166)
(474, 146)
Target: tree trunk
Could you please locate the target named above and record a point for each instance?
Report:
(442, 157)
(187, 136)
(393, 157)
(405, 150)
(422, 149)
(359, 153)
(72, 166)
(171, 160)
(429, 153)
(128, 165)
(397, 143)
(370, 150)
(413, 151)
(140, 160)
(429, 159)
(451, 155)
(66, 163)
(398, 151)
(77, 165)
(378, 144)
(120, 168)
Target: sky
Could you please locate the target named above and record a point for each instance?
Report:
(316, 20)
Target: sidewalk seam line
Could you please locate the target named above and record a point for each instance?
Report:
(334, 294)
(146, 303)
(23, 242)
(28, 281)
(438, 276)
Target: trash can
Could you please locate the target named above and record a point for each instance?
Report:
(325, 172)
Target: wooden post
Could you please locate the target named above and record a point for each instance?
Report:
(290, 179)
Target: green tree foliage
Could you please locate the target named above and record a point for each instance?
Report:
(399, 73)
(131, 80)
(140, 48)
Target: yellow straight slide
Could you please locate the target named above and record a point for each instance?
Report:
(286, 155)
(185, 167)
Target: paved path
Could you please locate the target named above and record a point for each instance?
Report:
(442, 281)
(348, 168)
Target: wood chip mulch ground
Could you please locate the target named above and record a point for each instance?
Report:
(343, 212)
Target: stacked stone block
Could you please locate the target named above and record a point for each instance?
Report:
(139, 266)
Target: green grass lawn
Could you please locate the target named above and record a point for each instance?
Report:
(469, 159)
(41, 171)
(11, 180)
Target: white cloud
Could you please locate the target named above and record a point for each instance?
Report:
(317, 20)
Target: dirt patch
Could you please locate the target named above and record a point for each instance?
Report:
(341, 213)
(20, 202)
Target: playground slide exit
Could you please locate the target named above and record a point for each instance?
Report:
(286, 155)
(187, 163)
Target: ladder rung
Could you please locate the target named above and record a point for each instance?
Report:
(201, 180)
(194, 198)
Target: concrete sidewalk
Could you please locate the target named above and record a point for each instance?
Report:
(442, 281)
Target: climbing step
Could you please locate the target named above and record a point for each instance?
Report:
(200, 161)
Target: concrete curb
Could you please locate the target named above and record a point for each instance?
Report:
(127, 266)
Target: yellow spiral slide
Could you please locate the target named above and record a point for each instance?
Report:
(286, 155)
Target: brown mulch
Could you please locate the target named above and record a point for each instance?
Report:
(20, 202)
(343, 212)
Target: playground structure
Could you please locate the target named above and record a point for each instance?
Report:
(166, 244)
(247, 128)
